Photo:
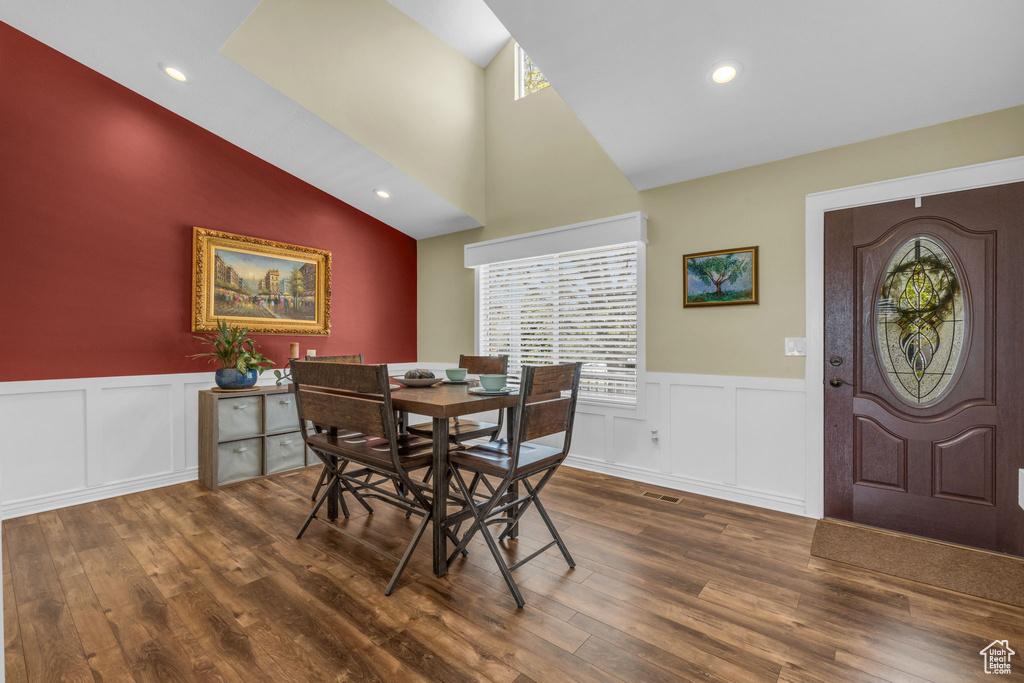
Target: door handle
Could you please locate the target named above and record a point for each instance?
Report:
(836, 382)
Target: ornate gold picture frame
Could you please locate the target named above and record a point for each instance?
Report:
(268, 287)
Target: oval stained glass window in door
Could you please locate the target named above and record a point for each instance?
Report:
(920, 319)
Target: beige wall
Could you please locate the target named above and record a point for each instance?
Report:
(382, 79)
(545, 170)
(764, 205)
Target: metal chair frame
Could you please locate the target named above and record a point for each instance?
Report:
(409, 495)
(350, 358)
(504, 505)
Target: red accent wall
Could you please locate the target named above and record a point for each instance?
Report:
(99, 190)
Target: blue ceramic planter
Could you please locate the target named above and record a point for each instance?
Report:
(229, 378)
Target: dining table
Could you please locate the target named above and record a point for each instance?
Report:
(442, 403)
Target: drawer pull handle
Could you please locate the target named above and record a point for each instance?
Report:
(241, 407)
(286, 403)
(243, 449)
(285, 443)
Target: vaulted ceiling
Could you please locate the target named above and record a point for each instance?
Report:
(814, 74)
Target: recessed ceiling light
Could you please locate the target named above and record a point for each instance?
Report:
(174, 72)
(723, 72)
(383, 194)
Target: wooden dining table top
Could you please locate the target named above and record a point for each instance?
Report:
(452, 400)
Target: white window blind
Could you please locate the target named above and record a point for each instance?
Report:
(559, 308)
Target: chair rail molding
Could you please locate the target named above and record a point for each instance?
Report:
(998, 172)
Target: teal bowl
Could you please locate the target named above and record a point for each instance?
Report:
(493, 382)
(456, 374)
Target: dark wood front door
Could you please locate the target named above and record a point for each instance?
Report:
(924, 352)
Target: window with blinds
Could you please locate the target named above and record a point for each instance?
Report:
(567, 307)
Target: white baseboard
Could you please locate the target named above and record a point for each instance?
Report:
(62, 499)
(736, 494)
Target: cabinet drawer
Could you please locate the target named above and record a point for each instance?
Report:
(281, 412)
(239, 460)
(238, 417)
(285, 452)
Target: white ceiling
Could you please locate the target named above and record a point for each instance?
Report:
(467, 25)
(126, 39)
(816, 73)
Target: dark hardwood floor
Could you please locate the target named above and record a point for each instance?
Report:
(183, 584)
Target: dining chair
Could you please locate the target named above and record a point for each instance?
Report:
(462, 430)
(342, 399)
(515, 461)
(350, 358)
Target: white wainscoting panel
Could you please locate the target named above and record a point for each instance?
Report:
(699, 417)
(770, 441)
(40, 456)
(736, 438)
(589, 434)
(137, 431)
(70, 441)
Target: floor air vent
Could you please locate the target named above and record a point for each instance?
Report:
(658, 496)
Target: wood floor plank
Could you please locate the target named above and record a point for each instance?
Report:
(221, 636)
(153, 640)
(625, 664)
(14, 653)
(335, 591)
(185, 584)
(417, 654)
(104, 654)
(652, 628)
(773, 637)
(495, 610)
(53, 650)
(244, 609)
(32, 572)
(871, 667)
(683, 668)
(734, 597)
(87, 527)
(62, 553)
(520, 649)
(336, 638)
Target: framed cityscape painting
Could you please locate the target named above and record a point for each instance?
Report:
(720, 278)
(268, 287)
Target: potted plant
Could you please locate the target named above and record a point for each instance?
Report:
(241, 363)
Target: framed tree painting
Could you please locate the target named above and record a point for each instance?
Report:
(720, 278)
(268, 287)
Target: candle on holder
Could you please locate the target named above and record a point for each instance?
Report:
(293, 350)
(311, 352)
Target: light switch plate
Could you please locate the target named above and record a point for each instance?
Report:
(796, 346)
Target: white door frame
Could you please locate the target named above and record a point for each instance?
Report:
(951, 180)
